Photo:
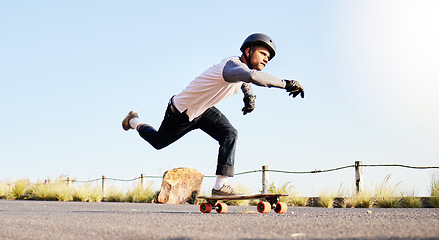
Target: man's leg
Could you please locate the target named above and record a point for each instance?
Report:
(214, 123)
(173, 127)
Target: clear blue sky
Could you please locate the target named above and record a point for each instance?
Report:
(70, 71)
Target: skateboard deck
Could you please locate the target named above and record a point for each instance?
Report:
(272, 202)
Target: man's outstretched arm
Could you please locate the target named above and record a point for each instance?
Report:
(235, 71)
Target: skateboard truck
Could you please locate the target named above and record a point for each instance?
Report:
(272, 201)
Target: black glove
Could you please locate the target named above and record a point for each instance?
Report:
(249, 104)
(294, 88)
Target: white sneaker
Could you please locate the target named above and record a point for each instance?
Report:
(225, 190)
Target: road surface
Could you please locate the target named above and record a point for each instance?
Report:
(77, 220)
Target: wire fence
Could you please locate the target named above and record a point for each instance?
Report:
(274, 171)
(358, 166)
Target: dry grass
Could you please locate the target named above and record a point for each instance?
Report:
(293, 198)
(387, 194)
(57, 190)
(4, 189)
(114, 195)
(299, 201)
(434, 192)
(140, 193)
(362, 200)
(326, 199)
(410, 201)
(19, 189)
(88, 193)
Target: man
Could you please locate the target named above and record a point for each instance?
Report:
(194, 107)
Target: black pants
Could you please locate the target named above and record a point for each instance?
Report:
(212, 122)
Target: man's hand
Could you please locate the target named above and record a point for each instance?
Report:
(294, 88)
(249, 104)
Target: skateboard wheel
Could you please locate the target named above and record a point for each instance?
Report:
(281, 207)
(221, 208)
(264, 207)
(205, 207)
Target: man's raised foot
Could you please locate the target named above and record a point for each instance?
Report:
(126, 121)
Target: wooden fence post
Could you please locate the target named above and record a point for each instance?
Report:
(141, 180)
(103, 186)
(359, 176)
(69, 182)
(265, 180)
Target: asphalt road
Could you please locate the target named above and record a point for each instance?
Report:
(77, 220)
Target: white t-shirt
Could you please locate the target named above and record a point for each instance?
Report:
(219, 82)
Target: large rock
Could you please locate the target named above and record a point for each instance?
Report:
(180, 185)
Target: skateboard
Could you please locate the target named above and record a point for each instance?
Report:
(272, 202)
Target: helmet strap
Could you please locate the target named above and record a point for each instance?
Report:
(247, 58)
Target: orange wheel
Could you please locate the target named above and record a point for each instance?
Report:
(264, 207)
(281, 207)
(221, 208)
(205, 207)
